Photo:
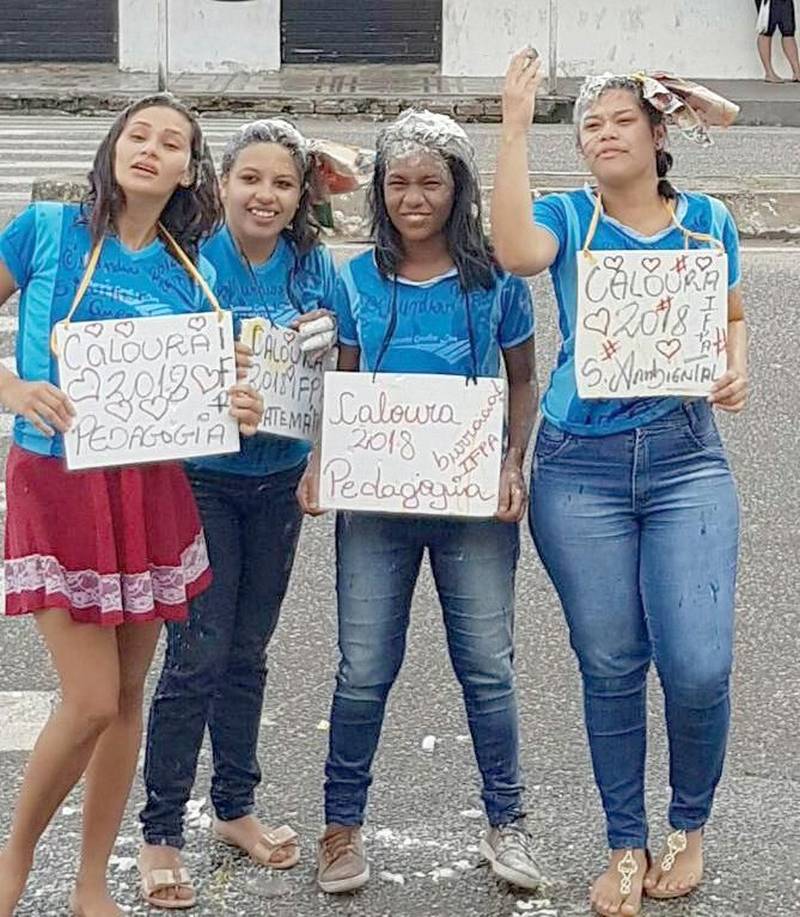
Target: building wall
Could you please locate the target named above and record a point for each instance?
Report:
(205, 36)
(702, 38)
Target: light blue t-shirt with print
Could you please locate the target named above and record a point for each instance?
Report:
(568, 217)
(279, 289)
(432, 331)
(46, 249)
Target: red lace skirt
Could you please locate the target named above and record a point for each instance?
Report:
(110, 546)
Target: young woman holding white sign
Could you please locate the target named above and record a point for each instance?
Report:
(270, 264)
(100, 557)
(429, 298)
(633, 510)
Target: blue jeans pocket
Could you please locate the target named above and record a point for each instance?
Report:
(550, 441)
(701, 428)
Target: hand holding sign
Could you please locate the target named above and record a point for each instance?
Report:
(289, 380)
(41, 403)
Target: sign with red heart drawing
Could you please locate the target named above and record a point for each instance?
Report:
(651, 323)
(148, 389)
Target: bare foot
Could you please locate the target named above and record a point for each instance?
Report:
(679, 868)
(772, 78)
(13, 876)
(619, 889)
(93, 901)
(158, 856)
(268, 846)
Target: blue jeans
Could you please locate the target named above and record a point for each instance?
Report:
(639, 533)
(378, 561)
(215, 666)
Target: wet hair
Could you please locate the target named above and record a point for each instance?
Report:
(303, 233)
(590, 92)
(467, 242)
(190, 215)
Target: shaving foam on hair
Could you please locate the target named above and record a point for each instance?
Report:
(267, 130)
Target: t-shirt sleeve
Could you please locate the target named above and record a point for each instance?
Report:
(329, 276)
(343, 307)
(730, 239)
(516, 321)
(548, 212)
(18, 245)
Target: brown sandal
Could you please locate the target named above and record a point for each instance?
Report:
(676, 844)
(271, 841)
(160, 880)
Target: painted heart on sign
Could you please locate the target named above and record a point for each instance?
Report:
(704, 262)
(668, 347)
(598, 321)
(289, 336)
(651, 264)
(94, 328)
(207, 379)
(197, 323)
(85, 387)
(122, 410)
(613, 263)
(126, 329)
(156, 407)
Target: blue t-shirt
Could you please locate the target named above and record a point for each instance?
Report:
(46, 249)
(568, 217)
(432, 332)
(264, 292)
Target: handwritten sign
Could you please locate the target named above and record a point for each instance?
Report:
(290, 380)
(148, 389)
(419, 444)
(651, 323)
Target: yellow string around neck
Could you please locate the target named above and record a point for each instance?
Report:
(91, 267)
(669, 206)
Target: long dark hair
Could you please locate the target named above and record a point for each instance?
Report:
(189, 215)
(303, 233)
(467, 244)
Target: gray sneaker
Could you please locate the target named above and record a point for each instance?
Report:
(341, 860)
(509, 850)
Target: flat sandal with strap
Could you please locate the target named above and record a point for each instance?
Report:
(161, 880)
(269, 843)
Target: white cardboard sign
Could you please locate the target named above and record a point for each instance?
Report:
(148, 389)
(651, 323)
(290, 380)
(418, 444)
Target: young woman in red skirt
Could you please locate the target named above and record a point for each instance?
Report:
(101, 557)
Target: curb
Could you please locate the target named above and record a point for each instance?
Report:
(764, 209)
(550, 109)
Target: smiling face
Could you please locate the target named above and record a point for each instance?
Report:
(261, 192)
(617, 139)
(152, 156)
(418, 190)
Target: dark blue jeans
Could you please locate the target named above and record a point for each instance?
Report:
(215, 666)
(639, 534)
(378, 561)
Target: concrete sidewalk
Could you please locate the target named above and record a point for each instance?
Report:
(372, 90)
